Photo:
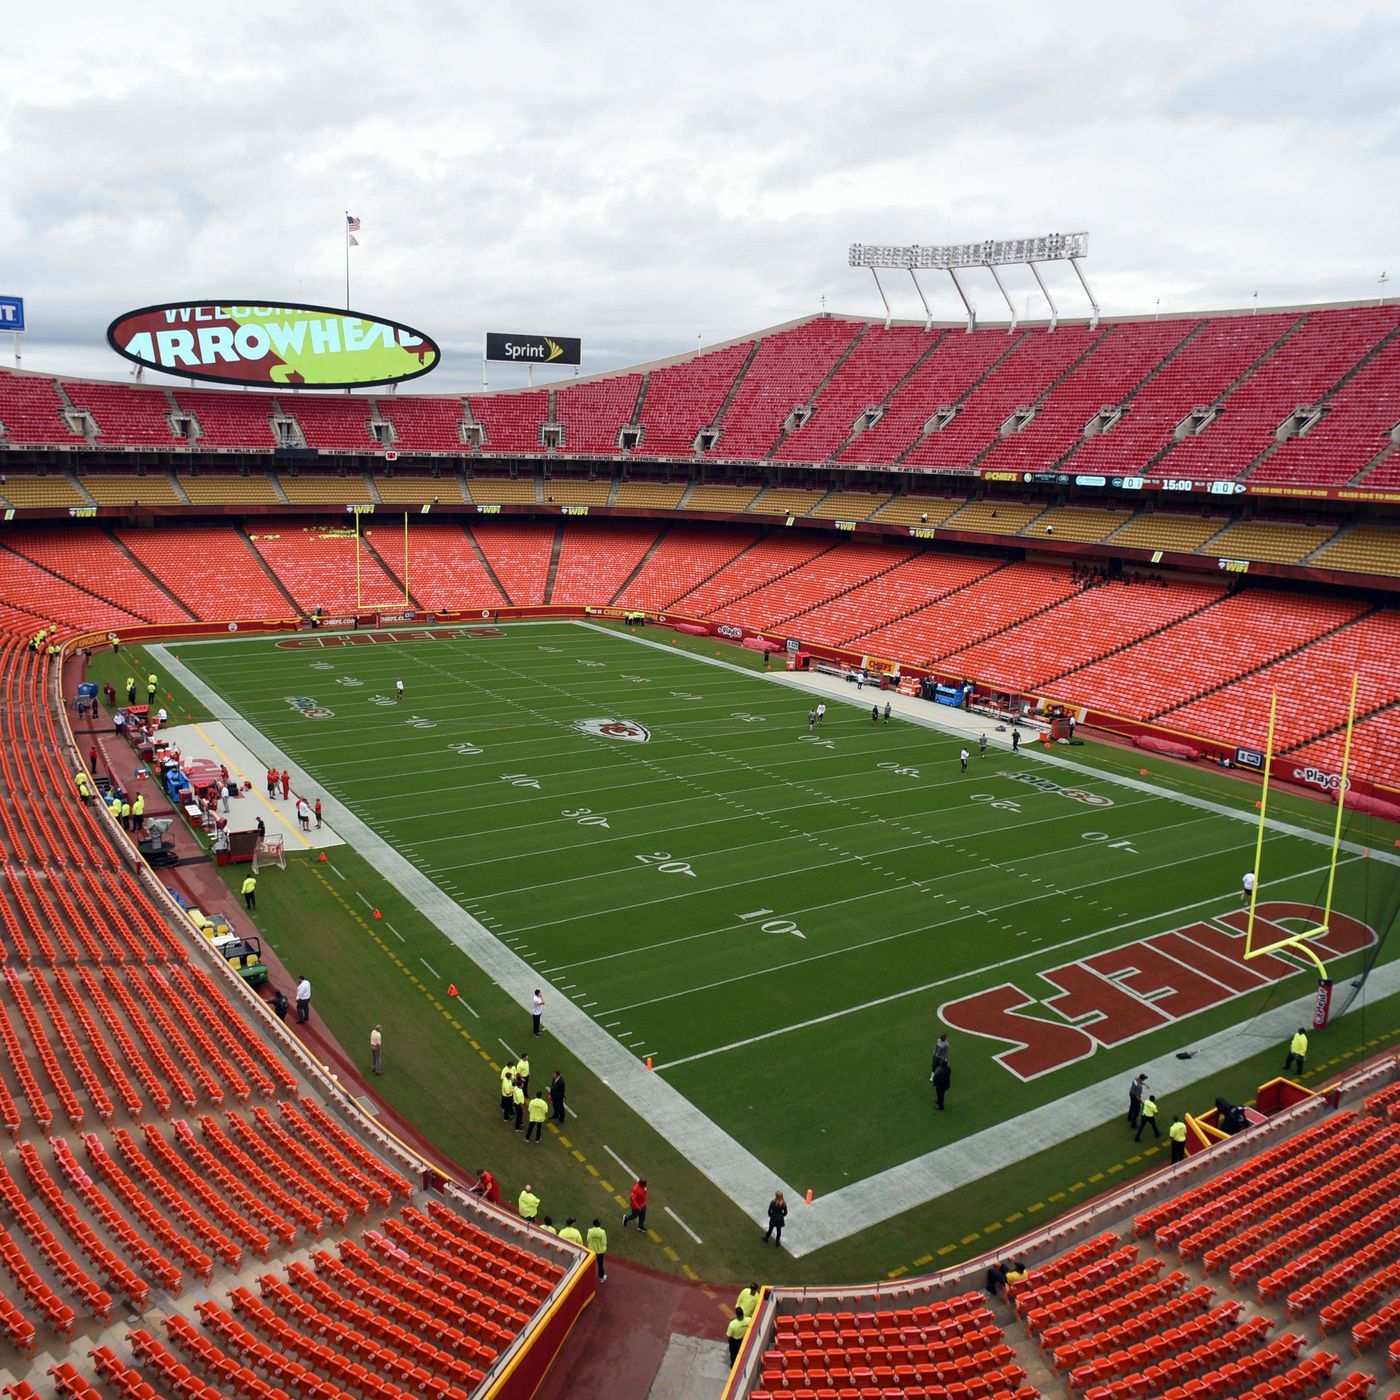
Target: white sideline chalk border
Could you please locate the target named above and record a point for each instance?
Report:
(736, 1171)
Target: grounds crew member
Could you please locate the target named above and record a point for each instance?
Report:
(522, 1071)
(517, 1095)
(736, 1331)
(80, 778)
(1297, 1049)
(539, 1111)
(528, 1204)
(1147, 1119)
(570, 1232)
(250, 892)
(747, 1301)
(598, 1243)
(1177, 1134)
(150, 691)
(507, 1093)
(138, 811)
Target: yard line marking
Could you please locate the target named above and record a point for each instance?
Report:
(621, 1163)
(1028, 751)
(431, 968)
(468, 1006)
(395, 932)
(515, 1059)
(941, 982)
(363, 900)
(682, 1224)
(336, 871)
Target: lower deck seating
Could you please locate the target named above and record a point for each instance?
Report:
(324, 566)
(595, 563)
(1000, 599)
(685, 557)
(97, 563)
(520, 553)
(442, 571)
(209, 568)
(1206, 650)
(776, 554)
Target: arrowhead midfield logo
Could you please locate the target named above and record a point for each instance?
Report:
(624, 729)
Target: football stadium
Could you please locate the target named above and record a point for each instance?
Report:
(860, 859)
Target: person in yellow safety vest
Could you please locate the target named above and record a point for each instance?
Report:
(1177, 1134)
(150, 690)
(507, 1092)
(547, 1225)
(598, 1243)
(736, 1331)
(138, 808)
(1148, 1119)
(748, 1300)
(80, 779)
(517, 1097)
(539, 1111)
(570, 1232)
(126, 815)
(131, 690)
(522, 1072)
(1297, 1050)
(250, 893)
(528, 1204)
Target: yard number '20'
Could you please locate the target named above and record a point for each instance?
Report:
(661, 860)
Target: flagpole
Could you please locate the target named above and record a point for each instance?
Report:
(347, 259)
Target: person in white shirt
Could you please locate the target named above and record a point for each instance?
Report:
(398, 690)
(1248, 883)
(303, 1001)
(821, 711)
(376, 1050)
(537, 1009)
(962, 758)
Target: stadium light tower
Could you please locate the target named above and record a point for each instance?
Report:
(991, 254)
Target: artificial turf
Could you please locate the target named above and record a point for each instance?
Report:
(774, 916)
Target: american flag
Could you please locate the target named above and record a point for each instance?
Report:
(352, 224)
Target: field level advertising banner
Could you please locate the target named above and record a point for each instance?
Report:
(312, 347)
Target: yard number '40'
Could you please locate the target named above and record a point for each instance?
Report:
(770, 924)
(662, 861)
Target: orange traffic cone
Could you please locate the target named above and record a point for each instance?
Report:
(452, 989)
(377, 914)
(809, 1195)
(323, 855)
(648, 1061)
(1142, 772)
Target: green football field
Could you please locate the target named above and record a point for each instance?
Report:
(779, 918)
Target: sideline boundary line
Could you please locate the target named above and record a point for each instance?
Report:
(731, 1167)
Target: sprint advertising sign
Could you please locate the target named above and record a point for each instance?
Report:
(312, 347)
(534, 349)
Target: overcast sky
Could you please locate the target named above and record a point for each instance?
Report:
(643, 174)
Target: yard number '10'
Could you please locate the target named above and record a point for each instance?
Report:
(661, 860)
(770, 925)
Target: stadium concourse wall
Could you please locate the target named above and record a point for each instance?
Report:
(520, 1370)
(1290, 1108)
(1107, 721)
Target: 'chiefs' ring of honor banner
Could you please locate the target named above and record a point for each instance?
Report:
(236, 342)
(534, 349)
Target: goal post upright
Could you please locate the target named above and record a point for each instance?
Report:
(1341, 805)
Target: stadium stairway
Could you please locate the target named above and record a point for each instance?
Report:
(394, 573)
(772, 557)
(555, 545)
(640, 564)
(294, 609)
